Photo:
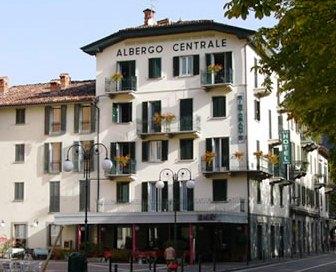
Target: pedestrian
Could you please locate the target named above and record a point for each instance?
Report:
(169, 254)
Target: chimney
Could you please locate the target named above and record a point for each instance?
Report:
(54, 85)
(65, 80)
(149, 17)
(4, 84)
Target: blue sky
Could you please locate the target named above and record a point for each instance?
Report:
(39, 39)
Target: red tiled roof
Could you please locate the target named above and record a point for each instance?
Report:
(34, 94)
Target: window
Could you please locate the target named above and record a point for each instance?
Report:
(218, 106)
(257, 110)
(122, 112)
(19, 153)
(219, 190)
(52, 157)
(186, 65)
(122, 192)
(77, 156)
(258, 192)
(20, 235)
(54, 196)
(224, 75)
(18, 191)
(186, 114)
(53, 231)
(149, 110)
(281, 195)
(186, 149)
(84, 118)
(55, 119)
(20, 116)
(121, 150)
(82, 184)
(255, 73)
(154, 151)
(154, 68)
(221, 147)
(272, 194)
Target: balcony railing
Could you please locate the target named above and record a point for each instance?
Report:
(221, 78)
(184, 125)
(55, 167)
(127, 84)
(297, 169)
(204, 205)
(122, 170)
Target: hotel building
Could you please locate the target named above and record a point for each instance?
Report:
(202, 153)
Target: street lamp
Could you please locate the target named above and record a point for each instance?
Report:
(87, 157)
(182, 174)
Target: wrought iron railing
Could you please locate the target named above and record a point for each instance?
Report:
(182, 125)
(222, 77)
(122, 169)
(205, 205)
(125, 84)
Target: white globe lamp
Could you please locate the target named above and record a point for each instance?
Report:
(107, 164)
(190, 184)
(159, 184)
(68, 166)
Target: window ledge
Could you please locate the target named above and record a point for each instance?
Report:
(18, 201)
(154, 162)
(217, 118)
(187, 160)
(18, 162)
(124, 123)
(20, 125)
(85, 132)
(155, 78)
(56, 133)
(184, 76)
(219, 201)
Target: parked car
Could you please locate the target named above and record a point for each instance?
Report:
(15, 252)
(40, 253)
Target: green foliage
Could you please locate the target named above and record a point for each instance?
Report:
(301, 49)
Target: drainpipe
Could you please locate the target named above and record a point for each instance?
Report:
(247, 166)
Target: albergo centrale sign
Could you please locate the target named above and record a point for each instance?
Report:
(176, 47)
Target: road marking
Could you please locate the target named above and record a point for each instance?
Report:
(280, 263)
(316, 266)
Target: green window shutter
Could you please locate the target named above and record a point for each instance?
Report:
(186, 149)
(144, 117)
(190, 199)
(93, 118)
(164, 196)
(47, 111)
(130, 113)
(126, 192)
(154, 68)
(176, 66)
(207, 60)
(115, 113)
(145, 148)
(208, 144)
(157, 68)
(63, 117)
(156, 108)
(164, 150)
(77, 108)
(46, 157)
(225, 152)
(228, 66)
(176, 195)
(196, 64)
(144, 193)
(219, 107)
(113, 151)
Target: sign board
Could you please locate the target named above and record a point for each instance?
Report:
(240, 118)
(286, 147)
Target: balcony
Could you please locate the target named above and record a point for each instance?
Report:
(199, 207)
(261, 92)
(260, 170)
(280, 175)
(320, 181)
(221, 80)
(298, 169)
(183, 128)
(126, 86)
(120, 172)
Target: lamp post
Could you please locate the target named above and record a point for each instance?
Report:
(182, 174)
(87, 157)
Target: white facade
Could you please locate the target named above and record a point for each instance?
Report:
(169, 89)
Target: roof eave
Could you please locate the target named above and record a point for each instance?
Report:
(100, 45)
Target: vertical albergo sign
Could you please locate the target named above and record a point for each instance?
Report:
(286, 147)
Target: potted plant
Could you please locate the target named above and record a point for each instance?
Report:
(122, 160)
(168, 118)
(215, 68)
(273, 158)
(208, 157)
(117, 77)
(157, 118)
(238, 155)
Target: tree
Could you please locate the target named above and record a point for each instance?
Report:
(301, 50)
